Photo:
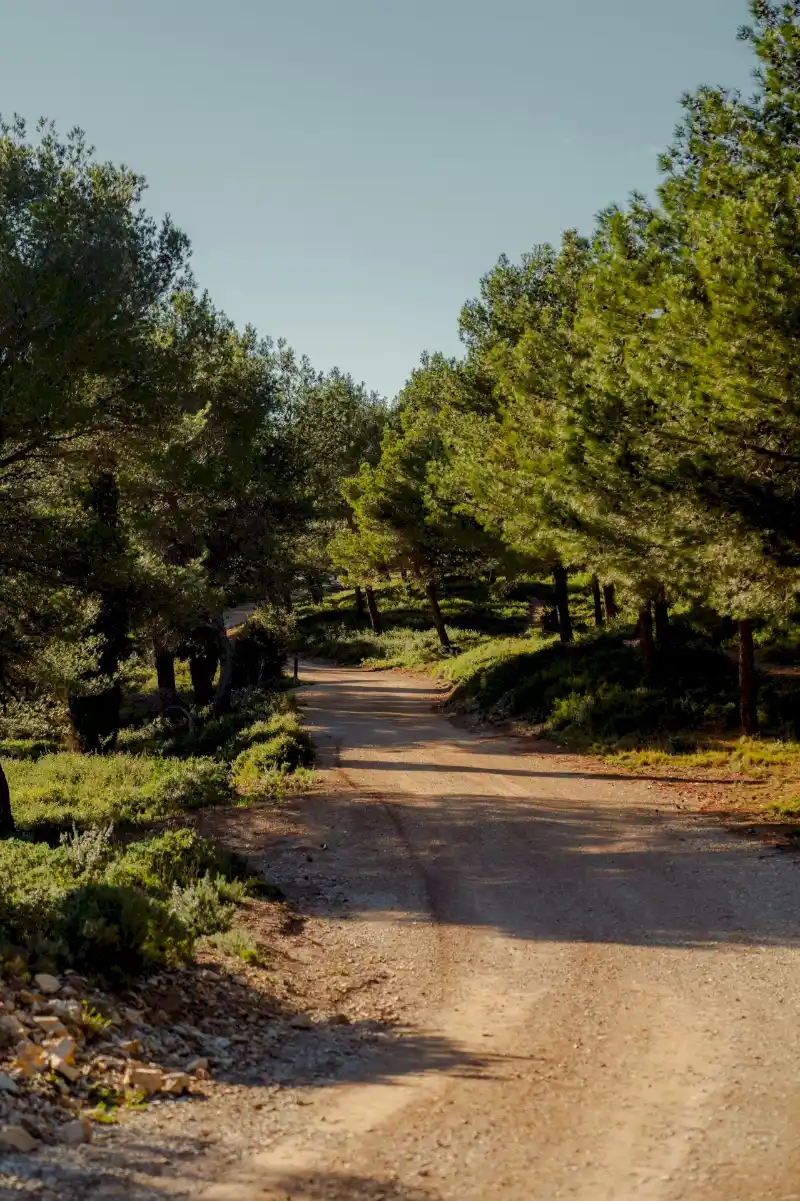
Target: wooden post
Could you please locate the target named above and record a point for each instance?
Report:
(6, 816)
(374, 615)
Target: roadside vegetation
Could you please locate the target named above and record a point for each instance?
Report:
(106, 872)
(506, 664)
(586, 523)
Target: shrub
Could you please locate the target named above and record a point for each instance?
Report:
(261, 646)
(201, 906)
(89, 851)
(117, 933)
(234, 942)
(64, 791)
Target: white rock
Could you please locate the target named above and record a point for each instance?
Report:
(62, 1058)
(143, 1079)
(50, 1024)
(30, 1058)
(63, 1049)
(198, 1064)
(15, 1138)
(77, 1132)
(176, 1083)
(47, 983)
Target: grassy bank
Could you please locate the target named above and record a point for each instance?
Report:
(105, 872)
(508, 665)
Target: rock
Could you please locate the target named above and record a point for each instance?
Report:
(62, 1058)
(11, 1028)
(63, 1049)
(176, 1084)
(7, 1085)
(75, 1133)
(130, 1046)
(340, 1019)
(48, 984)
(68, 1011)
(301, 1022)
(50, 1024)
(16, 1138)
(67, 1070)
(197, 1065)
(31, 1128)
(30, 1058)
(143, 1079)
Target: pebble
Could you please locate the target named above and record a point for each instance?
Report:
(16, 1138)
(76, 1132)
(48, 984)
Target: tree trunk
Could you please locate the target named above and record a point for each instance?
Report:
(296, 673)
(374, 615)
(647, 645)
(598, 601)
(202, 668)
(747, 679)
(315, 590)
(6, 816)
(95, 717)
(609, 599)
(165, 675)
(359, 602)
(222, 697)
(562, 603)
(662, 620)
(433, 599)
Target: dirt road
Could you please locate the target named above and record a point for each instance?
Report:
(601, 995)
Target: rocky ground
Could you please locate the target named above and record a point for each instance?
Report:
(501, 972)
(155, 1089)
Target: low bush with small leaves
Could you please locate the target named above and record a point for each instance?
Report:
(79, 891)
(118, 933)
(58, 792)
(202, 907)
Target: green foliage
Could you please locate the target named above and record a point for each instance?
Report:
(117, 933)
(60, 791)
(235, 943)
(200, 905)
(261, 646)
(119, 909)
(274, 749)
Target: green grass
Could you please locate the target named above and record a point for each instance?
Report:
(58, 790)
(118, 909)
(92, 880)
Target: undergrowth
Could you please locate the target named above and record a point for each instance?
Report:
(93, 880)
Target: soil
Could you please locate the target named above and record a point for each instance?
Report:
(502, 972)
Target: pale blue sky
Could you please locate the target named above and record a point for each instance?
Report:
(348, 169)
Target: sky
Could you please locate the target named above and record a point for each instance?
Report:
(347, 170)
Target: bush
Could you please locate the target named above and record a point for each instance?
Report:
(66, 790)
(261, 646)
(118, 933)
(234, 942)
(276, 748)
(201, 905)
